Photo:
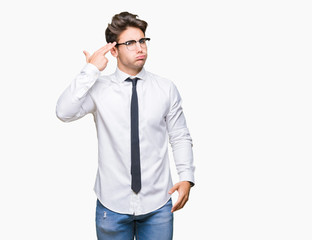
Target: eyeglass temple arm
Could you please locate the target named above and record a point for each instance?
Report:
(148, 39)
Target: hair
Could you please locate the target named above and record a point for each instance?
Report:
(121, 22)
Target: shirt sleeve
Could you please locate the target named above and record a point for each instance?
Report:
(179, 138)
(75, 102)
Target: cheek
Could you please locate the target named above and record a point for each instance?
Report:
(128, 57)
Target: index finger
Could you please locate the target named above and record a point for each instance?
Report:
(107, 48)
(177, 204)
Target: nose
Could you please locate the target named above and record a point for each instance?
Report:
(138, 45)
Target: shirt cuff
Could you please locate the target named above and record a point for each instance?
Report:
(91, 70)
(188, 177)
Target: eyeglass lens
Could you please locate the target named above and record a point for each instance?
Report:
(131, 45)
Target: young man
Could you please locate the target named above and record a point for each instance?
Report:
(134, 112)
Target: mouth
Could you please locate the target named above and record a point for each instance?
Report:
(141, 57)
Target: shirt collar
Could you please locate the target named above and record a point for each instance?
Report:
(121, 76)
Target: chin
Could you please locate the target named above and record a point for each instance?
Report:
(140, 64)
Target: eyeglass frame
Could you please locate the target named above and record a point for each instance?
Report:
(132, 41)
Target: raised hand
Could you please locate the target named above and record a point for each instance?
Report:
(98, 57)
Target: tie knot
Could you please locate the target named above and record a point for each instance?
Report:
(133, 80)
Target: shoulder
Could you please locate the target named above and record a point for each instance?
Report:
(105, 78)
(102, 82)
(160, 80)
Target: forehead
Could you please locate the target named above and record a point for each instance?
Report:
(131, 33)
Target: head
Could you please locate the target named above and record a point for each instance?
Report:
(123, 28)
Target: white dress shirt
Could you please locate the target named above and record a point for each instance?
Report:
(108, 98)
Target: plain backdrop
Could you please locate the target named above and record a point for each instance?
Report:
(243, 69)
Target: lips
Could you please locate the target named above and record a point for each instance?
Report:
(141, 57)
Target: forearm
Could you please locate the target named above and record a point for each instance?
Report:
(181, 143)
(75, 102)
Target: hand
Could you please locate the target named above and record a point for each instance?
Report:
(183, 189)
(98, 58)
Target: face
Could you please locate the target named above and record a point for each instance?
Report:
(130, 62)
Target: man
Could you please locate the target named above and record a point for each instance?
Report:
(134, 111)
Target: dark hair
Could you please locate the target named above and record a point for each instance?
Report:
(120, 22)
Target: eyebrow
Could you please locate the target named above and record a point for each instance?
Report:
(133, 40)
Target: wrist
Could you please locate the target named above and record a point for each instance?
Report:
(191, 183)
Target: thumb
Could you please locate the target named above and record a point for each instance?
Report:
(174, 188)
(87, 55)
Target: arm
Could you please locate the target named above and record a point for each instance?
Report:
(75, 101)
(181, 143)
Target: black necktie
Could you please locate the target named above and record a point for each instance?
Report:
(135, 142)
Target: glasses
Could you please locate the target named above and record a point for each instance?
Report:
(131, 44)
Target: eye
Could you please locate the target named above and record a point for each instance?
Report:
(142, 40)
(129, 43)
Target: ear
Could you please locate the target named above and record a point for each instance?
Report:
(114, 52)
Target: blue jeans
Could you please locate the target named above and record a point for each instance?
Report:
(115, 226)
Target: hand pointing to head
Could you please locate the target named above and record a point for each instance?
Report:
(98, 58)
